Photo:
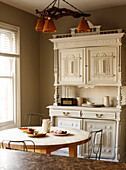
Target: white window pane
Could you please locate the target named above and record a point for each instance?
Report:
(6, 100)
(7, 41)
(6, 66)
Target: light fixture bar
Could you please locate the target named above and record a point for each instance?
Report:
(50, 5)
(56, 12)
(54, 3)
(58, 3)
(73, 6)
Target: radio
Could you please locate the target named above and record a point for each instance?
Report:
(68, 102)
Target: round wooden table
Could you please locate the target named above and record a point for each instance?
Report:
(50, 142)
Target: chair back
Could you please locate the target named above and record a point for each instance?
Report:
(33, 119)
(8, 145)
(95, 144)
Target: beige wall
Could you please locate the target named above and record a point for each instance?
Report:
(30, 69)
(109, 18)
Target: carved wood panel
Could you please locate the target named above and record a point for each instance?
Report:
(70, 66)
(102, 65)
(108, 139)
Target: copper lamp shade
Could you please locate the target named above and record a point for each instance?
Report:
(83, 26)
(40, 24)
(49, 26)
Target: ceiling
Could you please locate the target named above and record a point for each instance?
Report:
(84, 5)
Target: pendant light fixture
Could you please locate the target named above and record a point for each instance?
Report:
(40, 24)
(83, 26)
(49, 26)
(53, 12)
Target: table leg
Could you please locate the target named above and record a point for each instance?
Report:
(73, 150)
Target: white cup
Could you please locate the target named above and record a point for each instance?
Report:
(106, 101)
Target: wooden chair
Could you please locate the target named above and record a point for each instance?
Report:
(95, 144)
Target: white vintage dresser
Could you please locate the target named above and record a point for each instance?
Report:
(92, 65)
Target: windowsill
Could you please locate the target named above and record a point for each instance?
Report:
(8, 127)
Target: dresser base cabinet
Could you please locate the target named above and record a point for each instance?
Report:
(112, 120)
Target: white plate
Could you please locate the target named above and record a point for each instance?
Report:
(60, 134)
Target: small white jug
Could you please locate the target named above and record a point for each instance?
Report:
(46, 125)
(106, 101)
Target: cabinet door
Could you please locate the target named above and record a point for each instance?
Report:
(102, 65)
(70, 66)
(108, 139)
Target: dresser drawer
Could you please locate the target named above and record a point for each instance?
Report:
(98, 115)
(69, 123)
(66, 113)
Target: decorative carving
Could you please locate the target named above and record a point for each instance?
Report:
(108, 41)
(117, 147)
(119, 97)
(104, 55)
(56, 96)
(86, 41)
(55, 61)
(71, 56)
(103, 76)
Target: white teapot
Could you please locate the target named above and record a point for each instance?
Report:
(46, 123)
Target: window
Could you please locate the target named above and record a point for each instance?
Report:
(9, 76)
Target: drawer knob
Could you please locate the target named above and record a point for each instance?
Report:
(99, 115)
(66, 113)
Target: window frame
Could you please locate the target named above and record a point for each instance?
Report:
(16, 122)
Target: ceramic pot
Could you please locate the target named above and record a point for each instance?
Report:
(46, 123)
